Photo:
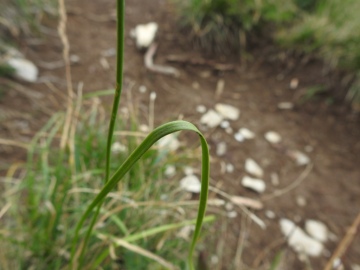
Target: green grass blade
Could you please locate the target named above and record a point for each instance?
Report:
(151, 139)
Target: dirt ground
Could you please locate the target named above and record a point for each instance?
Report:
(323, 128)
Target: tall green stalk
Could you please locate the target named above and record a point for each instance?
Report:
(77, 256)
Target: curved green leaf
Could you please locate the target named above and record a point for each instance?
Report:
(150, 140)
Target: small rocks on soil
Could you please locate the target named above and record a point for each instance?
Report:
(170, 171)
(273, 137)
(299, 240)
(300, 201)
(117, 147)
(225, 124)
(211, 119)
(239, 137)
(228, 111)
(270, 214)
(275, 181)
(254, 184)
(253, 168)
(317, 230)
(300, 158)
(246, 133)
(169, 142)
(285, 105)
(200, 108)
(144, 34)
(142, 89)
(190, 183)
(24, 69)
(221, 149)
(229, 168)
(294, 83)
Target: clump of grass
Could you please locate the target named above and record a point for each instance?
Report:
(330, 30)
(222, 25)
(48, 208)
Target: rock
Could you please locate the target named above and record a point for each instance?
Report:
(317, 230)
(272, 137)
(191, 183)
(221, 149)
(142, 89)
(212, 119)
(253, 168)
(275, 181)
(246, 133)
(225, 124)
(294, 83)
(24, 69)
(257, 185)
(169, 142)
(229, 168)
(299, 157)
(170, 171)
(188, 170)
(300, 201)
(239, 137)
(200, 108)
(232, 214)
(299, 240)
(117, 147)
(285, 106)
(144, 34)
(227, 111)
(270, 214)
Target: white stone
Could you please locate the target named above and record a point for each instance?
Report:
(232, 214)
(239, 137)
(294, 83)
(272, 137)
(229, 206)
(144, 34)
(142, 89)
(229, 168)
(185, 232)
(170, 171)
(299, 240)
(221, 148)
(200, 108)
(117, 147)
(255, 184)
(253, 168)
(246, 133)
(225, 124)
(275, 181)
(212, 119)
(169, 142)
(188, 170)
(300, 201)
(191, 183)
(285, 105)
(299, 157)
(24, 69)
(228, 111)
(152, 96)
(270, 214)
(317, 230)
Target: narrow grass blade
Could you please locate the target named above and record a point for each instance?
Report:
(151, 139)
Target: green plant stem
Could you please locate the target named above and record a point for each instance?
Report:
(119, 81)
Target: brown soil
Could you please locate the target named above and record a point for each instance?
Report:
(330, 131)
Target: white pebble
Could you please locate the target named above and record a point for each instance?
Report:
(188, 170)
(212, 119)
(299, 240)
(200, 108)
(225, 124)
(253, 168)
(232, 214)
(246, 133)
(285, 105)
(300, 201)
(270, 214)
(144, 34)
(239, 137)
(228, 111)
(191, 183)
(169, 142)
(117, 147)
(221, 148)
(257, 185)
(142, 89)
(272, 137)
(24, 69)
(299, 157)
(317, 230)
(229, 168)
(275, 181)
(170, 171)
